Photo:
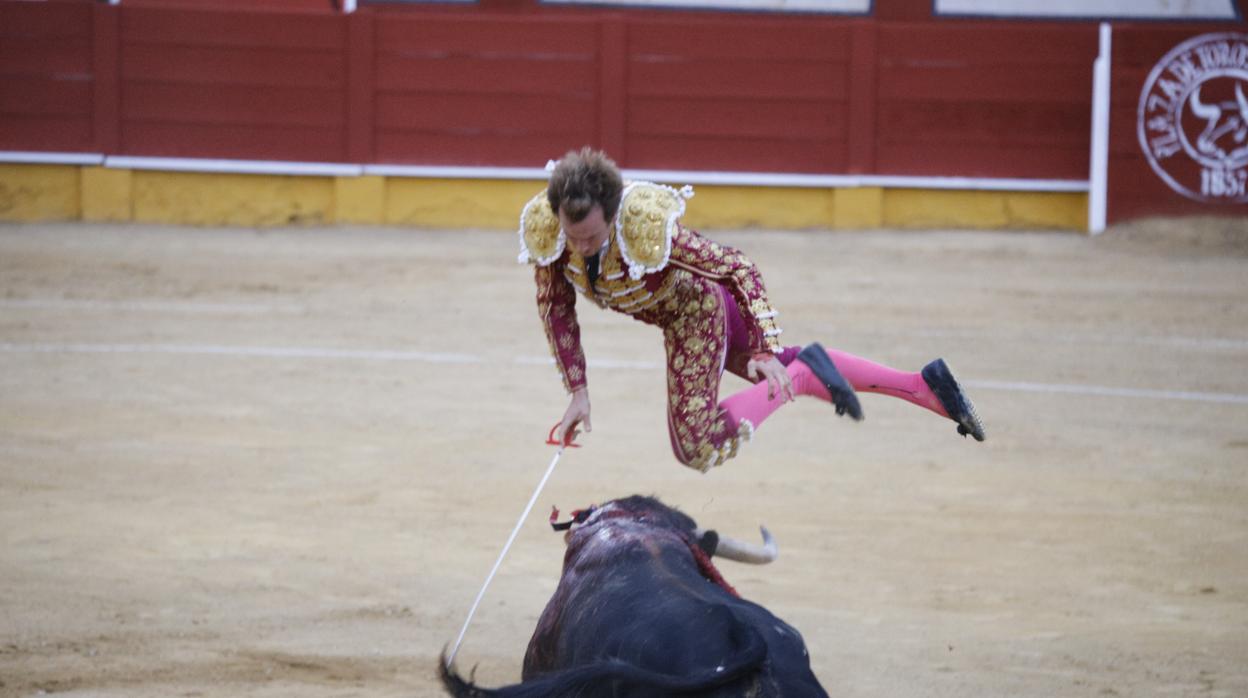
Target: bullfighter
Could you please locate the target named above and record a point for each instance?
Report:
(621, 245)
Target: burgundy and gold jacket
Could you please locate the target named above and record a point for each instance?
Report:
(646, 263)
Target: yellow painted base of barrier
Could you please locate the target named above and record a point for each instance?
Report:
(107, 194)
(70, 192)
(40, 193)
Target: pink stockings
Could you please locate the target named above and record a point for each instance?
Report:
(865, 376)
(869, 377)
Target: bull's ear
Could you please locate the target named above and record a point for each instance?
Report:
(708, 542)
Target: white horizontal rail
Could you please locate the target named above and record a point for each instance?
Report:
(276, 167)
(752, 179)
(457, 172)
(748, 179)
(768, 179)
(37, 158)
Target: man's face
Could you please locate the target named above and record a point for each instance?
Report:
(586, 236)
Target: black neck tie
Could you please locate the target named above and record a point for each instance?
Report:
(591, 270)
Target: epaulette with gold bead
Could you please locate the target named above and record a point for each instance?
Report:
(541, 237)
(646, 224)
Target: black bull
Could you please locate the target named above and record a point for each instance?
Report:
(641, 611)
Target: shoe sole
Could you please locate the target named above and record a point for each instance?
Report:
(939, 377)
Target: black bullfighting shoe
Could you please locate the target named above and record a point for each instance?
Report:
(843, 396)
(959, 407)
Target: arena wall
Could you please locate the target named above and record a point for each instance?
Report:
(291, 111)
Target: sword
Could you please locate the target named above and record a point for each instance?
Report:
(550, 439)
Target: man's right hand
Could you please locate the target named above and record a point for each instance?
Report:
(577, 413)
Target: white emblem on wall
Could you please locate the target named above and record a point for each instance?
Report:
(1193, 118)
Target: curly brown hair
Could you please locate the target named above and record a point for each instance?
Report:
(584, 178)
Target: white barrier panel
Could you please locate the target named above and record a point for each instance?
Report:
(1098, 175)
(1088, 9)
(832, 6)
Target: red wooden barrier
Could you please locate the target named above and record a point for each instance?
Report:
(255, 85)
(311, 5)
(362, 86)
(985, 99)
(46, 77)
(107, 74)
(469, 90)
(514, 82)
(717, 94)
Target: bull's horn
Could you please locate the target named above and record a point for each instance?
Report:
(740, 551)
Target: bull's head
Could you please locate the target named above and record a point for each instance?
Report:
(640, 508)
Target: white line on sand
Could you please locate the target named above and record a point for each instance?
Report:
(266, 352)
(191, 307)
(1139, 393)
(1032, 338)
(177, 307)
(617, 364)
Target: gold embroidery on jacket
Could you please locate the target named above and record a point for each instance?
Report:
(695, 344)
(646, 224)
(541, 236)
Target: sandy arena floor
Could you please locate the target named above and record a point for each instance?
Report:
(280, 463)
